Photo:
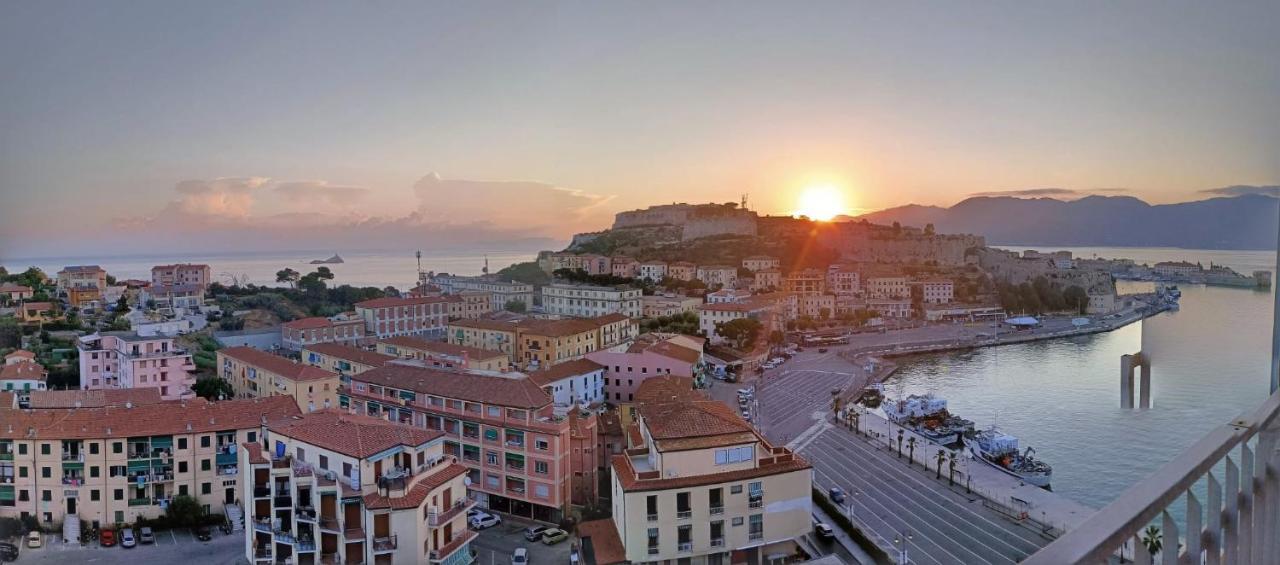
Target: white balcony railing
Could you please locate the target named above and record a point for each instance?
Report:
(1239, 522)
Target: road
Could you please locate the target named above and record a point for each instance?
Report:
(172, 546)
(889, 499)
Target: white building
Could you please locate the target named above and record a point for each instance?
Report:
(584, 301)
(718, 275)
(842, 280)
(502, 292)
(579, 382)
(938, 291)
(653, 271)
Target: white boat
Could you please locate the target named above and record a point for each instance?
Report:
(927, 416)
(1001, 451)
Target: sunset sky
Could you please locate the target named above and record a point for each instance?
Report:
(144, 126)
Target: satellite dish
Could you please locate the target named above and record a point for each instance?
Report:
(466, 480)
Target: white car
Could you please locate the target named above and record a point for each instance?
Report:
(127, 539)
(520, 556)
(485, 522)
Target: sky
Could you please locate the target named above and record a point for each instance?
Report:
(139, 126)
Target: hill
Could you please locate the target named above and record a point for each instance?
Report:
(1241, 222)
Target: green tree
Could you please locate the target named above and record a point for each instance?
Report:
(776, 337)
(184, 511)
(528, 272)
(288, 275)
(741, 332)
(1153, 540)
(1076, 298)
(213, 388)
(517, 306)
(928, 229)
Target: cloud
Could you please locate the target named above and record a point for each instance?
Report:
(1030, 192)
(507, 203)
(321, 191)
(221, 197)
(1243, 189)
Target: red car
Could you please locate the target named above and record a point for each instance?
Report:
(107, 538)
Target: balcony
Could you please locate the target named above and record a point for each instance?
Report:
(459, 542)
(685, 547)
(72, 481)
(717, 510)
(305, 513)
(684, 514)
(285, 501)
(72, 457)
(262, 553)
(329, 523)
(439, 518)
(717, 542)
(264, 527)
(261, 492)
(1242, 503)
(306, 545)
(653, 550)
(139, 502)
(653, 517)
(383, 545)
(755, 536)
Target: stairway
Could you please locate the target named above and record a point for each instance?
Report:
(235, 517)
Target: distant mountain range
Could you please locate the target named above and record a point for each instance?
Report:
(1241, 222)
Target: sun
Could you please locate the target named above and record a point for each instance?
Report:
(820, 202)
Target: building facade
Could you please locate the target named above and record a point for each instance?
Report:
(343, 359)
(755, 263)
(182, 274)
(258, 374)
(589, 300)
(500, 292)
(114, 360)
(937, 291)
(718, 276)
(82, 275)
(653, 271)
(347, 330)
(387, 317)
(444, 355)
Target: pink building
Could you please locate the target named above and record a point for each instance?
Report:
(309, 331)
(182, 274)
(125, 360)
(649, 356)
(388, 317)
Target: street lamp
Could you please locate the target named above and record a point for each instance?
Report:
(902, 541)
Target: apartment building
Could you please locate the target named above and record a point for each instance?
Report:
(111, 463)
(343, 359)
(471, 304)
(112, 360)
(712, 315)
(20, 375)
(653, 271)
(718, 276)
(591, 263)
(84, 297)
(651, 355)
(387, 317)
(347, 329)
(574, 383)
(726, 295)
(189, 296)
(38, 312)
(805, 281)
(843, 280)
(701, 486)
(887, 287)
(182, 274)
(491, 335)
(517, 446)
(329, 487)
(582, 300)
(500, 292)
(937, 291)
(766, 280)
(891, 307)
(659, 305)
(682, 271)
(444, 355)
(756, 263)
(540, 343)
(82, 275)
(16, 292)
(625, 267)
(256, 374)
(818, 306)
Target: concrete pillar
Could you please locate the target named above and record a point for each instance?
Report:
(1144, 401)
(1126, 381)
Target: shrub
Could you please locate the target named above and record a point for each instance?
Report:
(841, 521)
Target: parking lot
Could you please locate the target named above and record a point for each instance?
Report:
(171, 546)
(495, 545)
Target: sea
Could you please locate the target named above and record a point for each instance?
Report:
(1210, 363)
(398, 268)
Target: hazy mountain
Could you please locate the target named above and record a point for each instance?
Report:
(1241, 222)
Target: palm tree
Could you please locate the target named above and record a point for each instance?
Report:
(942, 456)
(911, 447)
(951, 473)
(899, 443)
(1152, 539)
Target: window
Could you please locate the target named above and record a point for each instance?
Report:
(44, 449)
(204, 441)
(22, 472)
(22, 449)
(651, 507)
(541, 491)
(682, 505)
(206, 488)
(735, 489)
(93, 448)
(118, 494)
(324, 462)
(182, 443)
(737, 520)
(756, 530)
(541, 444)
(94, 472)
(540, 467)
(653, 541)
(46, 472)
(95, 495)
(733, 455)
(204, 465)
(117, 447)
(253, 437)
(47, 496)
(182, 466)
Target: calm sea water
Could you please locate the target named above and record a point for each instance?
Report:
(380, 269)
(1062, 397)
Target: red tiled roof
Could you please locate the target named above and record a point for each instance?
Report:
(678, 420)
(630, 483)
(312, 323)
(161, 418)
(667, 388)
(408, 301)
(352, 434)
(24, 370)
(22, 353)
(485, 324)
(10, 287)
(514, 392)
(362, 356)
(411, 342)
(420, 491)
(600, 542)
(564, 370)
(255, 453)
(94, 398)
(276, 364)
(674, 351)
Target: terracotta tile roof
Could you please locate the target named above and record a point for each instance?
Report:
(255, 453)
(408, 301)
(349, 353)
(610, 423)
(699, 418)
(514, 392)
(81, 269)
(631, 483)
(420, 491)
(441, 347)
(352, 434)
(600, 543)
(161, 418)
(94, 398)
(23, 370)
(21, 353)
(558, 328)
(312, 323)
(610, 318)
(676, 351)
(667, 388)
(10, 287)
(565, 370)
(485, 324)
(276, 364)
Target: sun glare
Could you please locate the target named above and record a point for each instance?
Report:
(820, 202)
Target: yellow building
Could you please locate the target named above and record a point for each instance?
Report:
(38, 312)
(343, 359)
(111, 464)
(533, 343)
(329, 487)
(257, 374)
(492, 335)
(702, 485)
(443, 355)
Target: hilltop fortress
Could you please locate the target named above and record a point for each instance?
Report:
(694, 220)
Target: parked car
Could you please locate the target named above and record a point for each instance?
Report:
(824, 531)
(107, 538)
(203, 533)
(485, 522)
(520, 556)
(145, 535)
(554, 535)
(836, 495)
(126, 538)
(8, 552)
(534, 533)
(35, 540)
(472, 513)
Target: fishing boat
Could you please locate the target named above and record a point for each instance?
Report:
(1001, 451)
(927, 415)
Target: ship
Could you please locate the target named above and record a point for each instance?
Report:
(336, 259)
(927, 416)
(1001, 451)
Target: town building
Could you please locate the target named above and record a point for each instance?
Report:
(444, 355)
(344, 360)
(882, 286)
(329, 487)
(574, 383)
(347, 329)
(535, 343)
(843, 280)
(387, 317)
(712, 315)
(582, 300)
(258, 374)
(470, 304)
(500, 292)
(718, 276)
(182, 274)
(890, 307)
(112, 360)
(38, 312)
(16, 292)
(490, 335)
(187, 296)
(756, 263)
(702, 486)
(625, 267)
(805, 281)
(1176, 269)
(85, 297)
(82, 275)
(1101, 301)
(818, 306)
(651, 355)
(114, 462)
(727, 295)
(765, 280)
(659, 305)
(682, 271)
(517, 446)
(653, 271)
(21, 374)
(963, 313)
(937, 291)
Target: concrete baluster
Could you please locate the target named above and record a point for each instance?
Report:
(1193, 527)
(1231, 516)
(1245, 557)
(1213, 530)
(1169, 549)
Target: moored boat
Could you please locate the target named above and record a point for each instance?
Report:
(927, 416)
(1001, 451)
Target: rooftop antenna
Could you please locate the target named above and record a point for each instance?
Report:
(744, 201)
(486, 265)
(418, 254)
